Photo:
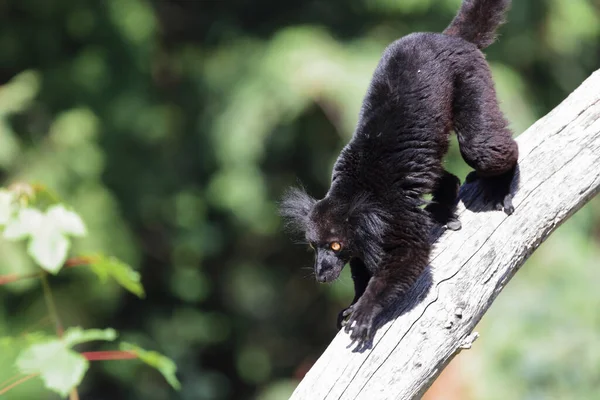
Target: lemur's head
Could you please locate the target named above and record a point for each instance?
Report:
(336, 229)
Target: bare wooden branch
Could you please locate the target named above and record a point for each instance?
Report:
(559, 172)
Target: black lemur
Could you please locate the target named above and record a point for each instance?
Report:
(425, 85)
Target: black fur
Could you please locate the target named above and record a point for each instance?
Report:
(477, 21)
(425, 85)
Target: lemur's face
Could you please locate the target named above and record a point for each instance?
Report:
(325, 225)
(327, 236)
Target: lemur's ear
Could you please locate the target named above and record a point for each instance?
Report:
(368, 223)
(295, 207)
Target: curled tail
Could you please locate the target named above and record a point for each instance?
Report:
(477, 21)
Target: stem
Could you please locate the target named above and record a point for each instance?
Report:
(74, 395)
(4, 279)
(54, 315)
(80, 261)
(17, 383)
(51, 306)
(9, 380)
(109, 355)
(42, 322)
(70, 263)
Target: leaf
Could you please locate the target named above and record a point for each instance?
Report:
(60, 368)
(28, 220)
(112, 267)
(25, 339)
(163, 364)
(49, 250)
(69, 222)
(77, 335)
(20, 91)
(7, 206)
(49, 244)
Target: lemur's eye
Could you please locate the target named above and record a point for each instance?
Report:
(335, 246)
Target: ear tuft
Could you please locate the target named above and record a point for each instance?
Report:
(295, 207)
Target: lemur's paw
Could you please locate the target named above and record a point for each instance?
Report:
(359, 323)
(453, 224)
(341, 318)
(502, 203)
(507, 204)
(444, 216)
(496, 191)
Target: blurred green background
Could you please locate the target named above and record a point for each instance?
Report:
(174, 126)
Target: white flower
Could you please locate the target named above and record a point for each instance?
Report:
(7, 206)
(48, 244)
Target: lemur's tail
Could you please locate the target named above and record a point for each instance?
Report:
(477, 21)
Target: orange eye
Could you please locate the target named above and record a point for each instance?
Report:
(335, 246)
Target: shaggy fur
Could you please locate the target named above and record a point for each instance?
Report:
(425, 85)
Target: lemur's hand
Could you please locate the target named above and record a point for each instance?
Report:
(357, 320)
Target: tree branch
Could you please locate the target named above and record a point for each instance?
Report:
(559, 170)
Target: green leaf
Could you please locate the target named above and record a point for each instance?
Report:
(25, 339)
(60, 368)
(48, 232)
(77, 335)
(19, 92)
(112, 267)
(164, 365)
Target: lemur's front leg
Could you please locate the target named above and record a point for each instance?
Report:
(361, 277)
(397, 273)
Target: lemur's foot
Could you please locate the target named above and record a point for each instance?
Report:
(496, 190)
(453, 224)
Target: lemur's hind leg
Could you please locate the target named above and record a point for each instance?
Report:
(445, 198)
(484, 139)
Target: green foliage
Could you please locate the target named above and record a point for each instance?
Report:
(60, 367)
(164, 365)
(551, 351)
(76, 335)
(122, 273)
(53, 359)
(173, 128)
